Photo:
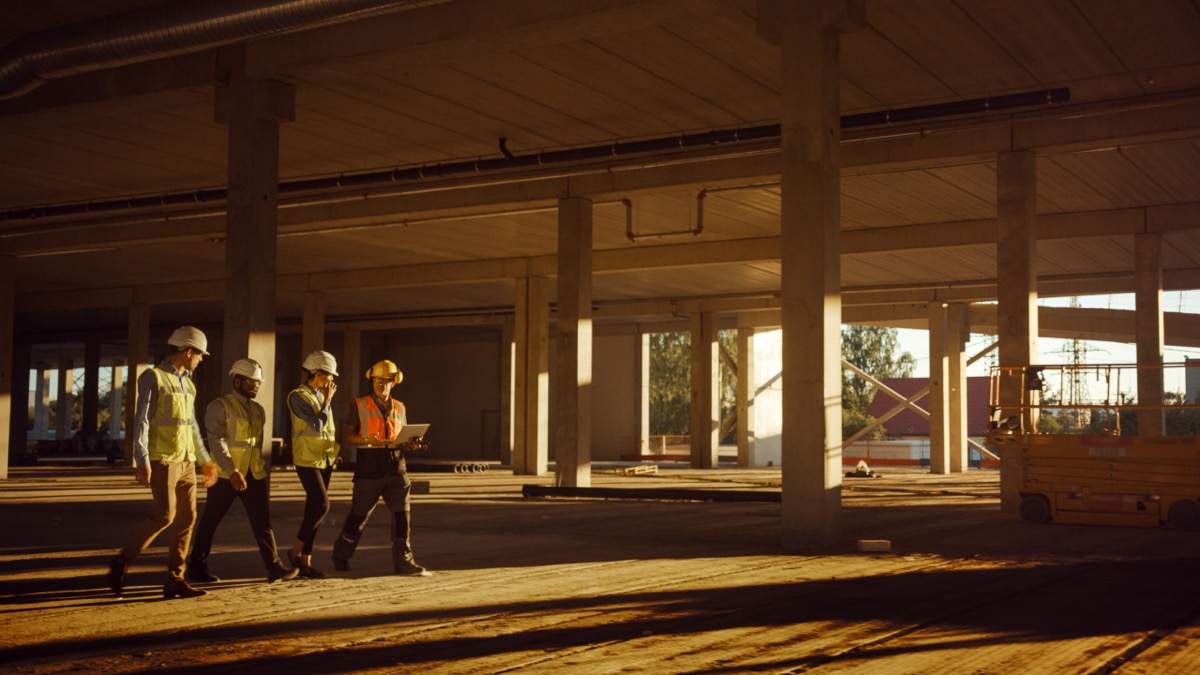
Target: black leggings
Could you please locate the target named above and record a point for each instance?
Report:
(316, 503)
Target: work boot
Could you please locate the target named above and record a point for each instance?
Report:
(197, 571)
(307, 571)
(341, 564)
(181, 588)
(280, 573)
(116, 575)
(409, 568)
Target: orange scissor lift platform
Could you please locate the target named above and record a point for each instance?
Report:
(1142, 481)
(1096, 479)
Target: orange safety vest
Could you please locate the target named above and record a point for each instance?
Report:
(372, 421)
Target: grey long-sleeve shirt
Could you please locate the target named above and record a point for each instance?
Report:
(147, 398)
(215, 427)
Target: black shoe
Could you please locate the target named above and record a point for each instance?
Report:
(341, 564)
(116, 575)
(198, 572)
(181, 588)
(306, 571)
(410, 568)
(281, 573)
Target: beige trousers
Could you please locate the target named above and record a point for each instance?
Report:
(173, 487)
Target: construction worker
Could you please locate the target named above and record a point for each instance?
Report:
(314, 451)
(167, 447)
(374, 425)
(234, 424)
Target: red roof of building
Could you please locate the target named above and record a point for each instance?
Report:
(909, 423)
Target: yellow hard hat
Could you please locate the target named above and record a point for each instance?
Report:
(385, 370)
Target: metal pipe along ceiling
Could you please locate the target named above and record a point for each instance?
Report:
(166, 30)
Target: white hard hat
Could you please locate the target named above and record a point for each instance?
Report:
(385, 370)
(189, 336)
(247, 368)
(320, 360)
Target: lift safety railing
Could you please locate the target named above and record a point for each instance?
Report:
(1090, 390)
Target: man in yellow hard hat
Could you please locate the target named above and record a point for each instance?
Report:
(234, 424)
(374, 426)
(167, 448)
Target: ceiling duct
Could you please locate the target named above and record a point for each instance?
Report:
(167, 30)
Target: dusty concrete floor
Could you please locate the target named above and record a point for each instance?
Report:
(599, 586)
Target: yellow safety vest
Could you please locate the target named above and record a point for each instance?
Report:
(171, 437)
(316, 448)
(243, 434)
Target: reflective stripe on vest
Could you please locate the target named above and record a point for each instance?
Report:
(371, 421)
(243, 432)
(171, 438)
(316, 448)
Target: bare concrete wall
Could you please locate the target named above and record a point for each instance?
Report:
(616, 410)
(451, 380)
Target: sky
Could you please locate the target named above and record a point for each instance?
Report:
(1056, 351)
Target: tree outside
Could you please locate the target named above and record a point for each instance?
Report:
(875, 350)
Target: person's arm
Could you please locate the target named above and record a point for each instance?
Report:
(354, 430)
(147, 391)
(301, 408)
(218, 445)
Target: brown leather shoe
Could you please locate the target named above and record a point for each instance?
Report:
(181, 588)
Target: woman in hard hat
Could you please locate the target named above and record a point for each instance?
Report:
(314, 451)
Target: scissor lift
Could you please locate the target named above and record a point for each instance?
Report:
(1103, 479)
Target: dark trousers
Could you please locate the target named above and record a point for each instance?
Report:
(394, 489)
(316, 503)
(220, 497)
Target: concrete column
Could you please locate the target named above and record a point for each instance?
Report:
(706, 372)
(531, 377)
(8, 307)
(1017, 327)
(115, 397)
(644, 391)
(90, 407)
(1148, 325)
(18, 446)
(573, 437)
(139, 360)
(745, 392)
(939, 391)
(507, 384)
(253, 111)
(958, 333)
(350, 365)
(41, 403)
(313, 337)
(66, 393)
(808, 34)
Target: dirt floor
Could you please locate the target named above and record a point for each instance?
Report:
(605, 586)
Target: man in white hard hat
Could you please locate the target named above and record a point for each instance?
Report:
(374, 425)
(234, 424)
(314, 451)
(167, 448)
